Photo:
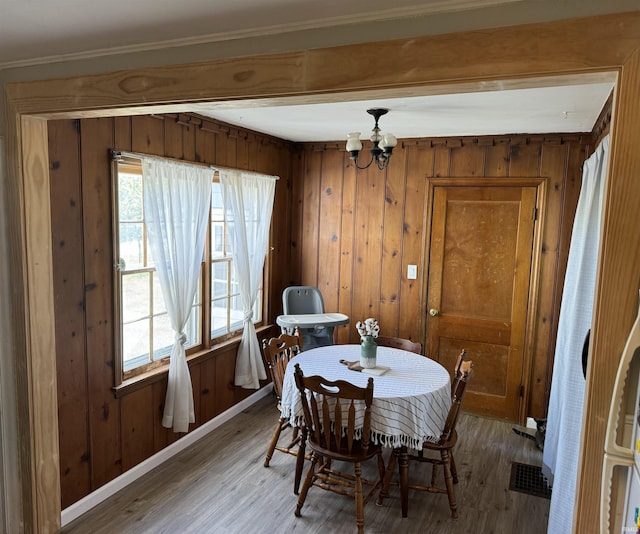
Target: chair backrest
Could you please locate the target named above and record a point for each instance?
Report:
(277, 353)
(462, 357)
(302, 299)
(330, 411)
(457, 394)
(399, 343)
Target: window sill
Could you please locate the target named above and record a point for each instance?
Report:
(155, 375)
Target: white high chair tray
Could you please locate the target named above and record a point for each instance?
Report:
(308, 320)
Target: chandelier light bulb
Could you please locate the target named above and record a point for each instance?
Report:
(389, 141)
(383, 145)
(353, 142)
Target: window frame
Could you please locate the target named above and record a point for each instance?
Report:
(125, 379)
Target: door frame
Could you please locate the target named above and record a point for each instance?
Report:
(476, 60)
(540, 183)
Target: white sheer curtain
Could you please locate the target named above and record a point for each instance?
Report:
(562, 441)
(248, 200)
(176, 204)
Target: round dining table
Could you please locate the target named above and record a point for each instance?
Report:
(411, 399)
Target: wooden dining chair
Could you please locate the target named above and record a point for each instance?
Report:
(399, 343)
(443, 446)
(277, 352)
(330, 425)
(457, 374)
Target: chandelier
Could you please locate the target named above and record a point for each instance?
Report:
(382, 144)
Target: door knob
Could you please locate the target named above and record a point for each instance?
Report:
(433, 312)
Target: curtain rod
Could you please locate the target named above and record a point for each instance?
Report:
(115, 154)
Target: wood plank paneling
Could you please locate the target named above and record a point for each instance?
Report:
(497, 159)
(311, 217)
(367, 268)
(137, 415)
(392, 239)
(524, 158)
(106, 459)
(100, 435)
(147, 134)
(330, 222)
(467, 160)
(189, 142)
(173, 146)
(554, 156)
(231, 151)
(225, 392)
(242, 154)
(420, 161)
(441, 160)
(194, 371)
(205, 148)
(208, 389)
(161, 435)
(347, 237)
(386, 227)
(122, 133)
(67, 253)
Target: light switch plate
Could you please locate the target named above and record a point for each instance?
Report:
(412, 272)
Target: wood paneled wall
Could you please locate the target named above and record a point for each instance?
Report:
(102, 436)
(355, 233)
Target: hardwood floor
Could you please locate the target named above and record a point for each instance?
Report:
(220, 486)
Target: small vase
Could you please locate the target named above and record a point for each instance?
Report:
(368, 350)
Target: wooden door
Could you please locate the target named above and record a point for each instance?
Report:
(478, 289)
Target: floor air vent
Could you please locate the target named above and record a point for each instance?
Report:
(529, 479)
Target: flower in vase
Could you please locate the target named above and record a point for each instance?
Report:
(370, 327)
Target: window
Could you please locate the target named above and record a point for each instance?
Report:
(144, 336)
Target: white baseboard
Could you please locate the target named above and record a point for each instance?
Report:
(93, 499)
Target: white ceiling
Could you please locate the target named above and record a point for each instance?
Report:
(563, 108)
(45, 31)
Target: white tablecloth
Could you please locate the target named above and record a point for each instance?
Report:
(411, 400)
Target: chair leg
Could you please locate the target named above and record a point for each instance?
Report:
(448, 480)
(273, 442)
(454, 471)
(381, 470)
(300, 461)
(359, 498)
(386, 481)
(307, 484)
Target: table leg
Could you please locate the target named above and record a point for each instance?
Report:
(403, 467)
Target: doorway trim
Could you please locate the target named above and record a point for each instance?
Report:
(463, 61)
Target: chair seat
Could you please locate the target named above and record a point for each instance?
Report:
(443, 444)
(357, 454)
